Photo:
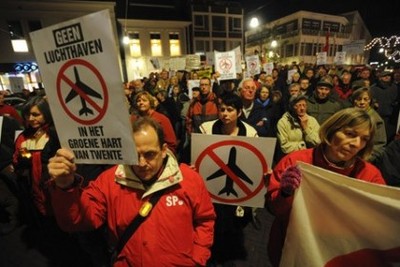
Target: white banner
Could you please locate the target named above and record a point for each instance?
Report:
(339, 221)
(78, 61)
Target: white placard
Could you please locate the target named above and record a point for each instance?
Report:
(233, 167)
(78, 61)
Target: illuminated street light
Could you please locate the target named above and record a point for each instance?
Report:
(254, 22)
(274, 44)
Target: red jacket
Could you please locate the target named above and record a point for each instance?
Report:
(178, 231)
(34, 170)
(199, 112)
(281, 206)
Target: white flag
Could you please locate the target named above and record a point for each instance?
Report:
(340, 221)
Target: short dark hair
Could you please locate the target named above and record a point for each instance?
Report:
(232, 100)
(143, 122)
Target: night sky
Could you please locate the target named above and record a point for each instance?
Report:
(382, 17)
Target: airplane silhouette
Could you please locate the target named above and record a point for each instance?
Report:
(85, 88)
(228, 188)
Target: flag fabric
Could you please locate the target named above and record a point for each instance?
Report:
(326, 46)
(340, 221)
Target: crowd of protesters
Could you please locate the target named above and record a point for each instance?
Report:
(292, 109)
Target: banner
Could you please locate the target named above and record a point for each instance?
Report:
(340, 221)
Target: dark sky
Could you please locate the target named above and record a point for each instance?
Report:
(382, 17)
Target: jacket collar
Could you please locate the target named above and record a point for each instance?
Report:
(170, 176)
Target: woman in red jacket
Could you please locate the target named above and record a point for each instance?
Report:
(346, 140)
(28, 150)
(145, 106)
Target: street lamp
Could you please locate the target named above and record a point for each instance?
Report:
(254, 22)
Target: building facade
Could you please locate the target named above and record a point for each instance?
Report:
(301, 35)
(18, 68)
(217, 27)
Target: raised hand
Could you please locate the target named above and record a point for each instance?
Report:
(62, 168)
(290, 180)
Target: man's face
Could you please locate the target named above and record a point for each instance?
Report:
(205, 86)
(150, 154)
(164, 75)
(323, 92)
(294, 90)
(304, 84)
(248, 90)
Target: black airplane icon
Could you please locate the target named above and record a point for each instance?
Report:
(228, 189)
(85, 88)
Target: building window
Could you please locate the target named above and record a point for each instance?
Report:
(308, 49)
(174, 44)
(219, 45)
(134, 45)
(218, 24)
(201, 22)
(155, 41)
(235, 24)
(18, 41)
(202, 46)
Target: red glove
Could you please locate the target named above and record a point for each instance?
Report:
(290, 180)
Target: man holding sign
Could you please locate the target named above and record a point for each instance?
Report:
(178, 231)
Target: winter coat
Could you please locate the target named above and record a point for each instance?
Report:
(292, 137)
(215, 126)
(177, 232)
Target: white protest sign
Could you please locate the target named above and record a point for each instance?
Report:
(225, 65)
(233, 167)
(290, 74)
(322, 58)
(238, 56)
(79, 65)
(268, 67)
(177, 63)
(340, 58)
(253, 65)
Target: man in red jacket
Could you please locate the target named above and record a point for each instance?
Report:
(179, 229)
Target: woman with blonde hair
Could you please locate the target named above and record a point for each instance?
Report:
(346, 141)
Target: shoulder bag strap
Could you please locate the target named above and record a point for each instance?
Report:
(144, 212)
